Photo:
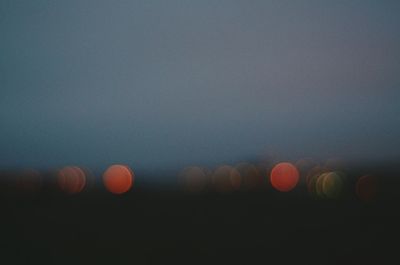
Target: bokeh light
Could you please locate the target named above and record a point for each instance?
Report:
(367, 188)
(334, 163)
(194, 179)
(71, 179)
(284, 176)
(303, 165)
(118, 179)
(312, 184)
(250, 176)
(28, 182)
(91, 179)
(226, 178)
(315, 171)
(326, 184)
(319, 185)
(333, 184)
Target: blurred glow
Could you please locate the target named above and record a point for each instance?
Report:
(326, 184)
(226, 178)
(312, 177)
(319, 185)
(236, 179)
(194, 179)
(334, 163)
(312, 184)
(71, 179)
(91, 179)
(29, 182)
(284, 176)
(312, 173)
(250, 176)
(304, 164)
(332, 185)
(118, 179)
(367, 188)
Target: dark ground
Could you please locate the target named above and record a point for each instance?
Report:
(166, 226)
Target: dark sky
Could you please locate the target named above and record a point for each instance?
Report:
(157, 84)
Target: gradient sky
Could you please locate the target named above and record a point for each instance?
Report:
(157, 84)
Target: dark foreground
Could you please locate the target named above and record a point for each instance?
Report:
(149, 226)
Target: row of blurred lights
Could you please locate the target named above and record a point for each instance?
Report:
(321, 182)
(117, 179)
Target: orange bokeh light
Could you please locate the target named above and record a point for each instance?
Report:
(284, 176)
(118, 179)
(71, 179)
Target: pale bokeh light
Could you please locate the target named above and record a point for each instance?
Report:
(326, 184)
(226, 178)
(319, 185)
(333, 185)
(250, 176)
(305, 164)
(71, 179)
(334, 163)
(312, 177)
(194, 179)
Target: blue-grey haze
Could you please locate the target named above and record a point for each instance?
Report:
(158, 84)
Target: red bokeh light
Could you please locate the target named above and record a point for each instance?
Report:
(118, 179)
(284, 176)
(366, 188)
